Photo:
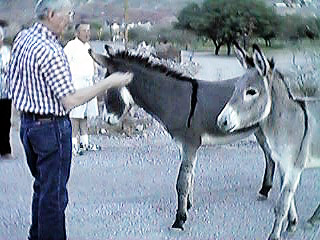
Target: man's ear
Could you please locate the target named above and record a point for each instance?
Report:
(50, 14)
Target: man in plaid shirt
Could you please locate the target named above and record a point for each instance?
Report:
(42, 90)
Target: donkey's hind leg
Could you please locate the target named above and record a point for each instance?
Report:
(315, 219)
(270, 166)
(184, 181)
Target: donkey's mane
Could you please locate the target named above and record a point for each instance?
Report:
(148, 63)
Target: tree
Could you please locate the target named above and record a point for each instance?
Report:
(224, 21)
(266, 22)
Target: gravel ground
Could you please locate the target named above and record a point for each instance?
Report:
(127, 190)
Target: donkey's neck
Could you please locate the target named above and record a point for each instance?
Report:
(280, 90)
(162, 93)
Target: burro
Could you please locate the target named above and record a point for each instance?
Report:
(188, 109)
(289, 126)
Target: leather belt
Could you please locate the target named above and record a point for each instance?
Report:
(40, 117)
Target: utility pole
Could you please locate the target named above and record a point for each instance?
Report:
(126, 6)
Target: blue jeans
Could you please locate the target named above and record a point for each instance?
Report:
(47, 146)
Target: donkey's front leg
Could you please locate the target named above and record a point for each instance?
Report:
(270, 165)
(292, 214)
(185, 182)
(285, 201)
(315, 219)
(190, 195)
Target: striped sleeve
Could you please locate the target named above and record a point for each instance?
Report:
(56, 72)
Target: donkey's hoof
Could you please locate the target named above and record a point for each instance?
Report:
(311, 224)
(274, 238)
(264, 192)
(180, 220)
(262, 198)
(178, 224)
(292, 226)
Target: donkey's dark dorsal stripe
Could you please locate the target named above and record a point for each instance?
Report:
(187, 108)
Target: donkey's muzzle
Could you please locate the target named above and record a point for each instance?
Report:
(224, 123)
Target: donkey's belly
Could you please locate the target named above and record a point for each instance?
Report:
(313, 163)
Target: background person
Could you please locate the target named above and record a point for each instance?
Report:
(83, 71)
(5, 101)
(42, 90)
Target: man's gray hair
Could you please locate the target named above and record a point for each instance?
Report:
(42, 7)
(1, 33)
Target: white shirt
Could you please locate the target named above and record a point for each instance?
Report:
(81, 63)
(82, 71)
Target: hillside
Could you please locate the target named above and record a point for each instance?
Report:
(101, 10)
(20, 12)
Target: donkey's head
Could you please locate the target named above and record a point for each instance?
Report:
(108, 61)
(117, 101)
(251, 100)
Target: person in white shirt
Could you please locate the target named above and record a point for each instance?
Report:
(83, 70)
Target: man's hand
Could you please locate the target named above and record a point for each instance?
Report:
(118, 79)
(83, 95)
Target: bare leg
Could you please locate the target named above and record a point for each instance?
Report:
(83, 126)
(75, 123)
(84, 138)
(184, 181)
(270, 165)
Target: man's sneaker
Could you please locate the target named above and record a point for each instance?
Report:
(90, 147)
(77, 151)
(7, 156)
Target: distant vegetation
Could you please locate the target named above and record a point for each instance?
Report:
(202, 24)
(225, 21)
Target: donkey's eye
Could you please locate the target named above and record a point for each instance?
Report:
(251, 92)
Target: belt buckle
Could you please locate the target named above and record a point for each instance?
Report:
(44, 119)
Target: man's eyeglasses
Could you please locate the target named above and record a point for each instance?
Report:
(71, 15)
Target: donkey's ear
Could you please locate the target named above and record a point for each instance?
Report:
(260, 61)
(98, 58)
(241, 54)
(109, 50)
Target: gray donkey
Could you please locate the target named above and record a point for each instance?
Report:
(188, 109)
(290, 128)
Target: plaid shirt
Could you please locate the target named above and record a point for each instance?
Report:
(39, 72)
